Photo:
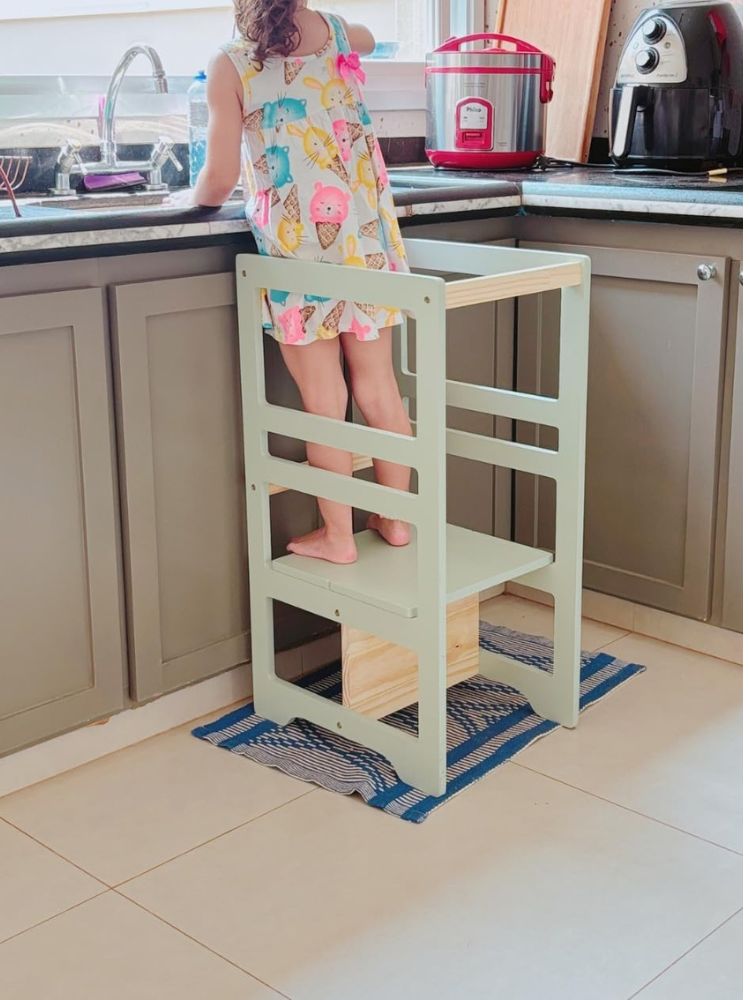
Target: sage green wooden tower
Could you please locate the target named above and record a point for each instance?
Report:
(402, 596)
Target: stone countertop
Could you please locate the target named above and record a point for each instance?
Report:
(611, 191)
(418, 191)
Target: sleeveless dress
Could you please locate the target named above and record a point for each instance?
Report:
(316, 183)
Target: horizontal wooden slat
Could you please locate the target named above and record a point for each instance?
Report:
(507, 454)
(504, 403)
(472, 291)
(360, 462)
(304, 478)
(386, 445)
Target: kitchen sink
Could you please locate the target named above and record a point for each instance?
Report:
(112, 201)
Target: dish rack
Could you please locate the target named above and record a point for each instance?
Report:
(421, 600)
(13, 172)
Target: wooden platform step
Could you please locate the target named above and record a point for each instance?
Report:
(386, 577)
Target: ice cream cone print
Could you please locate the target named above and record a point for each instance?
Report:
(332, 320)
(376, 261)
(292, 205)
(367, 309)
(292, 69)
(370, 140)
(370, 229)
(254, 120)
(339, 169)
(355, 131)
(327, 233)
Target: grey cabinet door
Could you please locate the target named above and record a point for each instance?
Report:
(61, 641)
(657, 332)
(183, 495)
(178, 406)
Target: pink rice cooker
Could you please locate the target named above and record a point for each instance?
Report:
(487, 106)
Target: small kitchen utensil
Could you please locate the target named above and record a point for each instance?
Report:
(677, 99)
(13, 171)
(487, 107)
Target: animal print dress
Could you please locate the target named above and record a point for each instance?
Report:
(316, 183)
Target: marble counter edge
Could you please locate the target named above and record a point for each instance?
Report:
(629, 205)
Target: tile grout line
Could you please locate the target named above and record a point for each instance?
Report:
(52, 850)
(202, 944)
(684, 955)
(635, 812)
(196, 847)
(54, 916)
(166, 861)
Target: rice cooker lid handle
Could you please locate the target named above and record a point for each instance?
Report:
(455, 44)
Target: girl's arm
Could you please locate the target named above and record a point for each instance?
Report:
(360, 38)
(219, 176)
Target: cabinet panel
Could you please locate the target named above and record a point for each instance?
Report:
(61, 648)
(654, 388)
(180, 427)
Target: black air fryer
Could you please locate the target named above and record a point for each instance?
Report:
(677, 99)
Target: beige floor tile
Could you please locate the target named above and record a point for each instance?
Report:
(668, 743)
(35, 884)
(537, 619)
(711, 971)
(125, 813)
(110, 948)
(521, 887)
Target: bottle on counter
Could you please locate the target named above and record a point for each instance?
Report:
(197, 125)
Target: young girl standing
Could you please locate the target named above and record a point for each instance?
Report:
(288, 94)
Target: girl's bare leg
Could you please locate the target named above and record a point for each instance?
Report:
(316, 368)
(377, 394)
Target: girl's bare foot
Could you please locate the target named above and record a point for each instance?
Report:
(394, 532)
(321, 544)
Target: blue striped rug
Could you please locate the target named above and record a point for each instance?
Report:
(488, 723)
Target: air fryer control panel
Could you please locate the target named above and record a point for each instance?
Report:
(655, 52)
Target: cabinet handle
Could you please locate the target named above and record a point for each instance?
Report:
(706, 271)
(741, 282)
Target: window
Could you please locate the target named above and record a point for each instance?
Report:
(74, 37)
(403, 29)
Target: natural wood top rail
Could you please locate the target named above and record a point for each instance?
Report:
(472, 291)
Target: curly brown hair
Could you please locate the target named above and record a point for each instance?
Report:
(269, 25)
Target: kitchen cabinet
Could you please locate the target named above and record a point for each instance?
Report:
(180, 444)
(657, 335)
(728, 589)
(61, 640)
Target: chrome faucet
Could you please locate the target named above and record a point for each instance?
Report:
(69, 161)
